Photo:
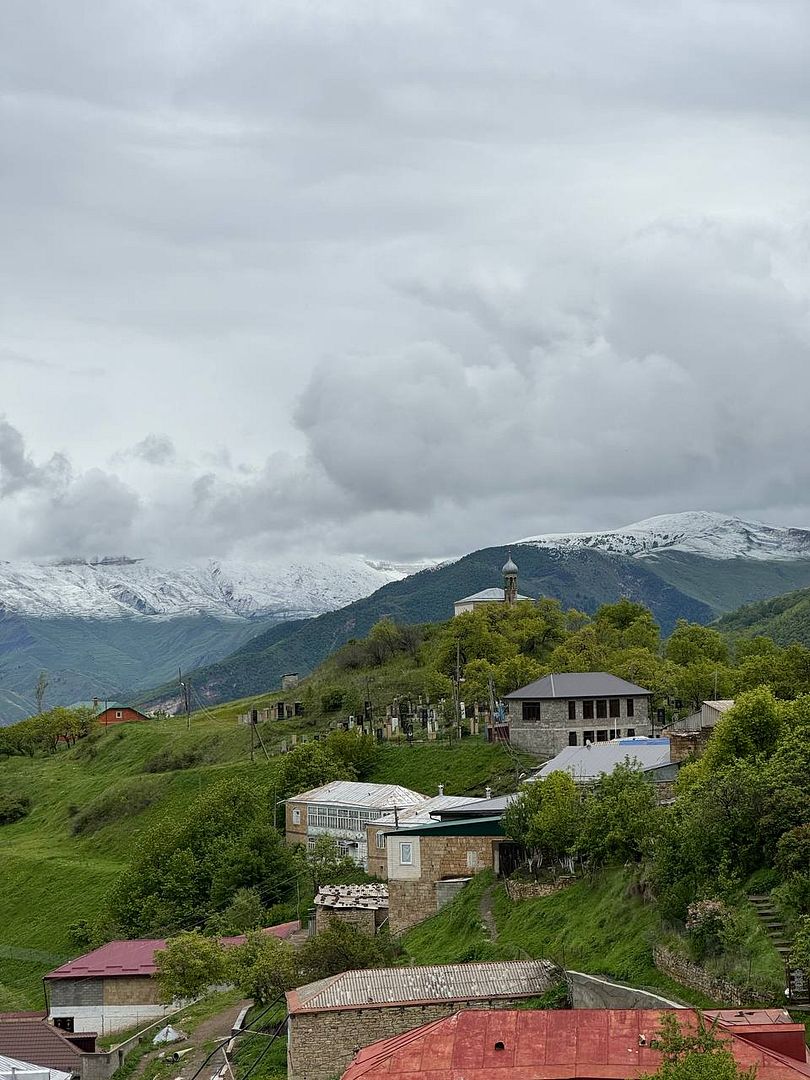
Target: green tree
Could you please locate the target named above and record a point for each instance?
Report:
(306, 767)
(326, 865)
(189, 965)
(342, 947)
(690, 643)
(263, 967)
(244, 912)
(699, 1054)
(620, 819)
(354, 751)
(800, 952)
(750, 728)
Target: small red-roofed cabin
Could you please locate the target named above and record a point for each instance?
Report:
(119, 714)
(115, 987)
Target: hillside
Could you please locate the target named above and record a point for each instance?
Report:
(582, 579)
(53, 879)
(785, 619)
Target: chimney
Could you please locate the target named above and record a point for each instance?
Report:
(488, 792)
(441, 789)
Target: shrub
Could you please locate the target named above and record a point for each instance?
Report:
(705, 923)
(124, 799)
(342, 947)
(13, 808)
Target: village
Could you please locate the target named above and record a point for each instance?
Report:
(418, 851)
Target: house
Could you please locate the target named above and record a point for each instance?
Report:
(415, 815)
(576, 708)
(116, 713)
(363, 906)
(586, 763)
(11, 1069)
(330, 1020)
(572, 1044)
(342, 809)
(429, 863)
(28, 1037)
(114, 987)
(507, 595)
(690, 736)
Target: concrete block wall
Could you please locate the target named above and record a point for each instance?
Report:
(549, 735)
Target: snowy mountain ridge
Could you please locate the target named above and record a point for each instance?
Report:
(123, 587)
(700, 532)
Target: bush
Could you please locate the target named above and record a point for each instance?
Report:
(13, 808)
(705, 924)
(124, 799)
(342, 947)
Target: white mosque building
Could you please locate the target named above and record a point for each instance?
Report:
(507, 595)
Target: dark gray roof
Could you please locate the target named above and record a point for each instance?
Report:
(476, 808)
(579, 684)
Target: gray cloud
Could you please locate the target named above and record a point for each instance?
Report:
(401, 279)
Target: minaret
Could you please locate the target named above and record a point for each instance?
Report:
(510, 573)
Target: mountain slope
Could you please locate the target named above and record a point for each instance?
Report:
(786, 619)
(582, 579)
(103, 629)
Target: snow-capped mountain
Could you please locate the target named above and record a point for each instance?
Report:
(700, 532)
(119, 587)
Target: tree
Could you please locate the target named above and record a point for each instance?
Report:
(40, 688)
(342, 947)
(546, 817)
(750, 728)
(354, 751)
(620, 816)
(694, 1055)
(690, 642)
(245, 912)
(800, 953)
(307, 767)
(189, 965)
(328, 866)
(263, 967)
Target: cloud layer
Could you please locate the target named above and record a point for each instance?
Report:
(403, 280)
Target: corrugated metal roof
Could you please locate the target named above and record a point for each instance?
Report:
(416, 814)
(138, 957)
(354, 793)
(579, 684)
(477, 808)
(444, 982)
(12, 1067)
(588, 762)
(487, 596)
(494, 1044)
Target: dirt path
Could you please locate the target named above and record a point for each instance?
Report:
(485, 911)
(204, 1038)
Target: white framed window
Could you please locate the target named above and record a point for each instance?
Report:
(296, 816)
(405, 853)
(119, 714)
(472, 860)
(380, 841)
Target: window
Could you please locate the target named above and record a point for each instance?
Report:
(572, 738)
(380, 841)
(602, 735)
(405, 853)
(119, 714)
(472, 860)
(615, 708)
(631, 732)
(572, 710)
(64, 1023)
(531, 710)
(311, 843)
(587, 710)
(296, 816)
(587, 736)
(601, 709)
(630, 705)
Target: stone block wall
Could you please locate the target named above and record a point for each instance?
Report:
(377, 857)
(295, 833)
(321, 1044)
(684, 971)
(547, 736)
(409, 902)
(363, 919)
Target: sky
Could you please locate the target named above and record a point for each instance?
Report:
(398, 279)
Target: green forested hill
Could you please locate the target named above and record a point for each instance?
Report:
(786, 619)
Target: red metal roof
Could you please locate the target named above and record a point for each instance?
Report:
(138, 957)
(592, 1044)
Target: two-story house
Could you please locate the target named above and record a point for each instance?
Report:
(342, 810)
(574, 709)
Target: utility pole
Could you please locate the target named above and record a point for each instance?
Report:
(185, 687)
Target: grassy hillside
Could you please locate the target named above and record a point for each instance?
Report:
(786, 619)
(53, 878)
(581, 579)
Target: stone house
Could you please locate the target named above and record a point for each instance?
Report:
(587, 763)
(429, 864)
(342, 810)
(376, 831)
(363, 906)
(330, 1020)
(115, 987)
(575, 708)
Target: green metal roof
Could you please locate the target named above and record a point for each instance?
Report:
(475, 826)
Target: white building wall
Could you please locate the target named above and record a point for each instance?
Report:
(105, 1019)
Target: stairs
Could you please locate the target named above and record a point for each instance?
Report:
(769, 917)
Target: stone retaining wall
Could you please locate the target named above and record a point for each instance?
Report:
(535, 890)
(694, 976)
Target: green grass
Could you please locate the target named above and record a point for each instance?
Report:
(52, 878)
(272, 1065)
(593, 926)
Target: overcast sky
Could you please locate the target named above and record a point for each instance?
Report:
(398, 278)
